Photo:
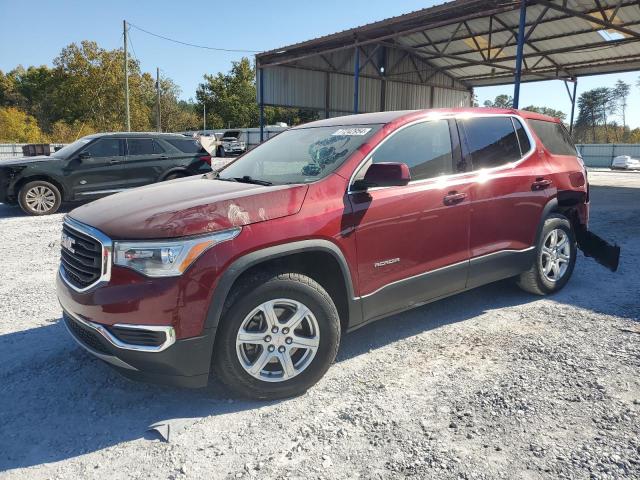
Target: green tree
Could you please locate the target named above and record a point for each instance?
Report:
(18, 127)
(91, 88)
(551, 112)
(621, 93)
(501, 101)
(230, 100)
(176, 115)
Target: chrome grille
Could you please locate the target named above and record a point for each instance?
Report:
(81, 256)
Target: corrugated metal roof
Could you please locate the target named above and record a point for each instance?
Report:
(453, 39)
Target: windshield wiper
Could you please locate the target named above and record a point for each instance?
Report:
(248, 179)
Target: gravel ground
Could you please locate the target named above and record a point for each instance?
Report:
(493, 383)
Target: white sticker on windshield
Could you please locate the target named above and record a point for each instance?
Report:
(352, 131)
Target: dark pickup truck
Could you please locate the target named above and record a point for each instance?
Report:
(99, 165)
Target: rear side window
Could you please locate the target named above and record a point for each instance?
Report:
(424, 147)
(105, 147)
(492, 141)
(554, 136)
(140, 146)
(186, 145)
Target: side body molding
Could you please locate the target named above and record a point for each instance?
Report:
(242, 264)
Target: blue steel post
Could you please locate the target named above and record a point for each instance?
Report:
(523, 18)
(261, 80)
(573, 104)
(356, 80)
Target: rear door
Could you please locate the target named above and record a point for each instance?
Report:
(510, 190)
(146, 161)
(412, 241)
(98, 169)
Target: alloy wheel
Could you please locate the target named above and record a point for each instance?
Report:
(277, 340)
(40, 199)
(555, 255)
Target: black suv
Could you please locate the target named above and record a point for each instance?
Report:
(98, 165)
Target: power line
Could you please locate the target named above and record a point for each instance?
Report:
(133, 50)
(233, 50)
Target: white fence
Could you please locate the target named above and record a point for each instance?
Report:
(13, 150)
(602, 154)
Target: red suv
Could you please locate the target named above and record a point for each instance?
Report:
(257, 270)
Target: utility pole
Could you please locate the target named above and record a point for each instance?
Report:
(158, 98)
(126, 77)
(204, 117)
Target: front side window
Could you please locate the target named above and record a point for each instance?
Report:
(300, 155)
(554, 136)
(425, 147)
(105, 147)
(492, 141)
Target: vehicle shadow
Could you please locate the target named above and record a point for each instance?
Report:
(14, 211)
(59, 402)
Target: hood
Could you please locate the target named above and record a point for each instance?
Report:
(188, 206)
(25, 160)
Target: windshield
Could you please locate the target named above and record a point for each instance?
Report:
(68, 150)
(301, 155)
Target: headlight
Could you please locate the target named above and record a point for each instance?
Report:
(169, 258)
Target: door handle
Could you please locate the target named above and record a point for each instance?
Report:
(541, 184)
(454, 197)
(163, 157)
(114, 161)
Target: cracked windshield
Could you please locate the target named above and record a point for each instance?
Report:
(300, 155)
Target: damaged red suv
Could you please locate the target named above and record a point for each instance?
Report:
(256, 271)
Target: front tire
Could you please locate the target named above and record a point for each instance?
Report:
(555, 259)
(278, 337)
(39, 198)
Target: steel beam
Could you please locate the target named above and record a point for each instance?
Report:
(519, 54)
(589, 18)
(261, 85)
(356, 79)
(573, 104)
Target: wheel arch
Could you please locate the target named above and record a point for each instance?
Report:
(45, 178)
(320, 259)
(173, 170)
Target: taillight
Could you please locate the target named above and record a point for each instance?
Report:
(206, 158)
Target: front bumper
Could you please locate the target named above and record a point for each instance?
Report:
(183, 363)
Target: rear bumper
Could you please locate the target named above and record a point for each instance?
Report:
(183, 363)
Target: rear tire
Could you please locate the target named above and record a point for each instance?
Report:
(257, 355)
(39, 198)
(555, 258)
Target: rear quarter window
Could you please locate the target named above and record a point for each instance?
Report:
(186, 145)
(554, 137)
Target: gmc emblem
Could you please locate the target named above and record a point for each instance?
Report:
(67, 242)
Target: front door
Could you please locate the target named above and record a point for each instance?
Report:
(412, 241)
(98, 169)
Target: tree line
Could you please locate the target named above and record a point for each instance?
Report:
(83, 93)
(601, 114)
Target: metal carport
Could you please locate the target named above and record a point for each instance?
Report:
(435, 56)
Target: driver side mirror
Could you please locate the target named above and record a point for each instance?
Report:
(84, 155)
(389, 174)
